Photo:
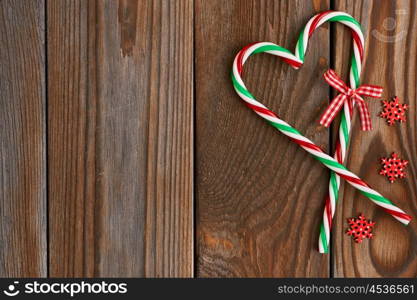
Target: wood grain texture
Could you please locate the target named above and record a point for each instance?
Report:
(259, 197)
(22, 140)
(390, 61)
(97, 140)
(120, 138)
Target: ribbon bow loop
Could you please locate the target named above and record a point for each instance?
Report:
(350, 95)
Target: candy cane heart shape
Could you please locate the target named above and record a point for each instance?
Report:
(294, 134)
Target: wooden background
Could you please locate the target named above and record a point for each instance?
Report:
(126, 152)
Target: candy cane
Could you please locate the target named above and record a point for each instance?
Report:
(345, 123)
(295, 135)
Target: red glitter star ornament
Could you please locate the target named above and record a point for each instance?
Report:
(360, 228)
(393, 167)
(393, 111)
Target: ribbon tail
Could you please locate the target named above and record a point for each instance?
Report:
(364, 115)
(331, 112)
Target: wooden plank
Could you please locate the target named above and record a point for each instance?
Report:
(259, 196)
(120, 138)
(390, 60)
(22, 140)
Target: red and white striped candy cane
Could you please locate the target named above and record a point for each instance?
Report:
(346, 117)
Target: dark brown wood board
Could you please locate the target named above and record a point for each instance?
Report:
(23, 216)
(390, 61)
(120, 113)
(259, 197)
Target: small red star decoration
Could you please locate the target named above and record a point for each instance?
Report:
(360, 228)
(393, 111)
(393, 167)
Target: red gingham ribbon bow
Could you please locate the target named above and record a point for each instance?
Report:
(346, 93)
